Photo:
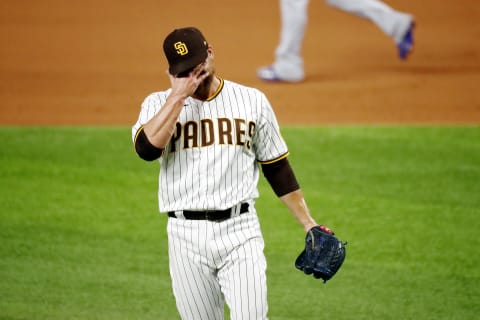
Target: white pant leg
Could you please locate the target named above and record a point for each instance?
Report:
(194, 281)
(242, 275)
(244, 281)
(391, 22)
(288, 58)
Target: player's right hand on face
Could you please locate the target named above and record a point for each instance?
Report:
(186, 85)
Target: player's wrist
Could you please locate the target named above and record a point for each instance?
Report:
(178, 98)
(323, 229)
(307, 227)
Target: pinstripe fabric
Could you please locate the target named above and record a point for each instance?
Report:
(212, 263)
(220, 175)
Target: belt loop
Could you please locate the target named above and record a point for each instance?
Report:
(179, 214)
(236, 210)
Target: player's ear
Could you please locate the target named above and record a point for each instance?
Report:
(210, 52)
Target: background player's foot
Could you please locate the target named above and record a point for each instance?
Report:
(405, 46)
(268, 73)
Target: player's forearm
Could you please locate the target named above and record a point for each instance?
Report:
(295, 202)
(160, 128)
(283, 182)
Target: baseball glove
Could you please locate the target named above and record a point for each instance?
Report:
(323, 254)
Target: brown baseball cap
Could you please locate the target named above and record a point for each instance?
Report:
(185, 48)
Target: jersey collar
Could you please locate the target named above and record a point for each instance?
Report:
(219, 88)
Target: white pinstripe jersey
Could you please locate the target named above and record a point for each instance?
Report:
(211, 162)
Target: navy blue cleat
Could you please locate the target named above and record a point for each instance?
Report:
(405, 47)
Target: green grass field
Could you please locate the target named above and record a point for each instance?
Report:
(81, 237)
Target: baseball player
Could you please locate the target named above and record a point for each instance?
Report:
(288, 64)
(211, 137)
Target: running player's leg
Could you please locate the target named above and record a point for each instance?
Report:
(288, 64)
(289, 61)
(392, 22)
(195, 287)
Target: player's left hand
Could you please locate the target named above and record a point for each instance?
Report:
(323, 254)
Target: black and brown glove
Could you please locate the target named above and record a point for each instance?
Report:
(323, 254)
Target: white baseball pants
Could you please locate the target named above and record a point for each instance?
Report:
(216, 262)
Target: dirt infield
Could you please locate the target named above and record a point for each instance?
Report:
(92, 62)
